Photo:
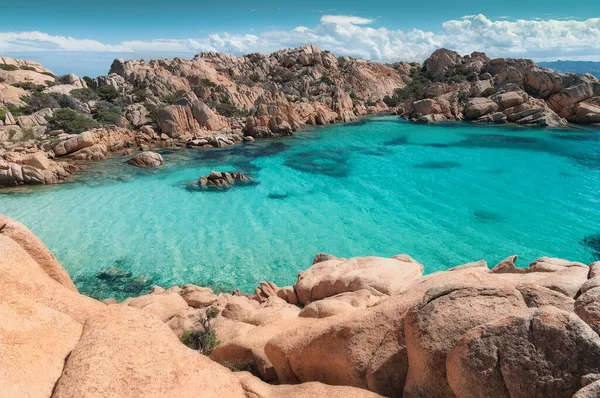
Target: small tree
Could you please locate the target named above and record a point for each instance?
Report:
(84, 94)
(107, 92)
(70, 121)
(205, 338)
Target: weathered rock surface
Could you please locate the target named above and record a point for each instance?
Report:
(146, 159)
(223, 180)
(58, 343)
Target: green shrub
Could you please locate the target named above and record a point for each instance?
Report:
(488, 92)
(212, 312)
(70, 121)
(27, 134)
(50, 83)
(88, 80)
(107, 113)
(152, 111)
(208, 82)
(204, 339)
(463, 96)
(107, 93)
(413, 90)
(229, 110)
(31, 68)
(84, 94)
(255, 77)
(240, 366)
(49, 74)
(2, 114)
(64, 79)
(327, 80)
(171, 98)
(66, 101)
(38, 100)
(29, 86)
(8, 67)
(18, 110)
(354, 97)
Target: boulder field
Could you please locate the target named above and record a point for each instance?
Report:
(361, 327)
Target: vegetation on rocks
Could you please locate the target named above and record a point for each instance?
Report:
(8, 67)
(70, 121)
(204, 338)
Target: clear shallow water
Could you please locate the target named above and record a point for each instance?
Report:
(443, 194)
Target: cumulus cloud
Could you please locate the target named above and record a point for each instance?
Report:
(356, 36)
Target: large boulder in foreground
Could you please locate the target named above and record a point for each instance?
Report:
(381, 276)
(147, 159)
(439, 320)
(544, 353)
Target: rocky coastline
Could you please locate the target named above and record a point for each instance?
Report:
(360, 327)
(51, 126)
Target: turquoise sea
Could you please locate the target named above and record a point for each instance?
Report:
(445, 194)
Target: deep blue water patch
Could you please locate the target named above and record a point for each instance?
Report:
(438, 164)
(327, 162)
(592, 243)
(487, 216)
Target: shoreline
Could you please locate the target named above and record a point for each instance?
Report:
(129, 152)
(383, 317)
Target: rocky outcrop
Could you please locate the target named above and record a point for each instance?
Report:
(223, 180)
(59, 343)
(476, 88)
(367, 324)
(146, 159)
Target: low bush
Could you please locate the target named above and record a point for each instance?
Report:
(208, 82)
(39, 100)
(84, 94)
(70, 121)
(8, 67)
(31, 68)
(27, 134)
(240, 366)
(64, 79)
(107, 113)
(31, 86)
(171, 98)
(488, 92)
(327, 80)
(107, 93)
(204, 339)
(88, 80)
(2, 114)
(67, 101)
(49, 74)
(229, 110)
(152, 111)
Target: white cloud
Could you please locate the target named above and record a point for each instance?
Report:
(345, 19)
(350, 35)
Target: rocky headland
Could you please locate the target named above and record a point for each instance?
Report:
(360, 327)
(50, 126)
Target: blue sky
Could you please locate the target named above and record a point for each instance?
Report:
(86, 35)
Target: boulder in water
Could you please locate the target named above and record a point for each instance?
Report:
(223, 180)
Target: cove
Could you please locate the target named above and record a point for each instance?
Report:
(445, 194)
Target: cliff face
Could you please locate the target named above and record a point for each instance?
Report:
(347, 328)
(278, 93)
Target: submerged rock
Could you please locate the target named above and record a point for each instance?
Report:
(224, 180)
